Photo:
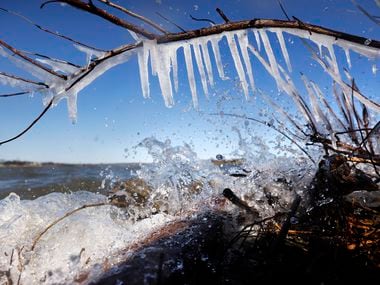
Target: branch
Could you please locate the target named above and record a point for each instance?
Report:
(267, 23)
(170, 22)
(90, 8)
(224, 17)
(15, 94)
(47, 30)
(31, 60)
(132, 14)
(23, 79)
(31, 125)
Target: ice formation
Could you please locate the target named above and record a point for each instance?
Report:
(163, 61)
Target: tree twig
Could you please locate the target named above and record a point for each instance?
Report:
(202, 19)
(91, 8)
(170, 22)
(221, 14)
(31, 125)
(135, 15)
(23, 79)
(63, 217)
(47, 30)
(31, 60)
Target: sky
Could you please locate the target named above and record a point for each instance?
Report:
(113, 116)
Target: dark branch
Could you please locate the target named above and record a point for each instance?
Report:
(202, 20)
(31, 60)
(283, 10)
(30, 126)
(23, 79)
(90, 8)
(47, 30)
(171, 22)
(15, 94)
(224, 17)
(132, 14)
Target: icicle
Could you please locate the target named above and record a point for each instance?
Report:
(374, 69)
(206, 57)
(215, 48)
(257, 37)
(190, 73)
(243, 42)
(174, 64)
(143, 60)
(281, 40)
(72, 106)
(162, 64)
(271, 57)
(348, 58)
(333, 60)
(237, 61)
(59, 65)
(90, 52)
(201, 67)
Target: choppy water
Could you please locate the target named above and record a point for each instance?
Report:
(45, 240)
(32, 181)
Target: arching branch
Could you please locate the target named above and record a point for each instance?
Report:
(47, 30)
(105, 15)
(135, 15)
(31, 125)
(31, 60)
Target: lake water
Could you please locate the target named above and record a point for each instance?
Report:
(33, 181)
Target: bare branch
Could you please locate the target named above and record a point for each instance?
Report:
(270, 126)
(202, 20)
(15, 94)
(283, 10)
(224, 17)
(31, 60)
(171, 22)
(47, 30)
(31, 125)
(91, 8)
(132, 14)
(371, 17)
(23, 79)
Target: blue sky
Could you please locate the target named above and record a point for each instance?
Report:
(113, 117)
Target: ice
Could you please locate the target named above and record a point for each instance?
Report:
(143, 59)
(13, 82)
(243, 42)
(207, 60)
(174, 64)
(237, 61)
(190, 73)
(57, 65)
(348, 58)
(201, 68)
(257, 37)
(271, 57)
(218, 59)
(161, 66)
(76, 245)
(34, 70)
(284, 50)
(90, 53)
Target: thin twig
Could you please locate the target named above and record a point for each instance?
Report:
(23, 79)
(221, 14)
(283, 10)
(47, 30)
(202, 20)
(30, 126)
(63, 217)
(15, 94)
(135, 15)
(31, 60)
(91, 8)
(170, 22)
(270, 126)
